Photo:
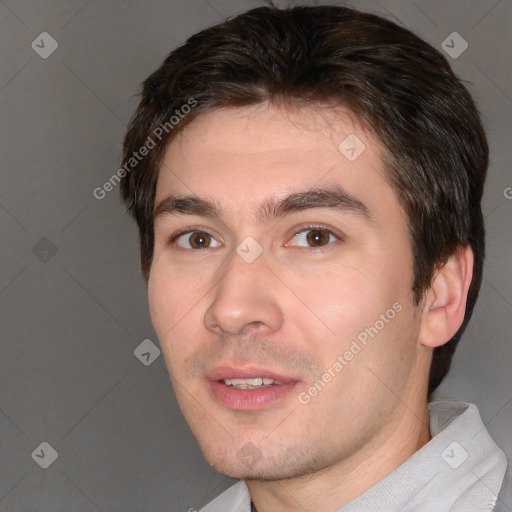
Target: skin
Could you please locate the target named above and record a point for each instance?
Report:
(296, 308)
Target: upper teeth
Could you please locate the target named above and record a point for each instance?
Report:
(244, 383)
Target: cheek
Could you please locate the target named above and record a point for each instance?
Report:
(160, 299)
(339, 303)
(350, 304)
(172, 305)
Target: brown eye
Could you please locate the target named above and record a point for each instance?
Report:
(314, 237)
(200, 240)
(317, 237)
(194, 239)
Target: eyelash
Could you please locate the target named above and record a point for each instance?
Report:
(308, 227)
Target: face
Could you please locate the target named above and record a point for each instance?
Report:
(282, 260)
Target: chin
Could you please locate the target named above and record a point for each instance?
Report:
(239, 472)
(240, 466)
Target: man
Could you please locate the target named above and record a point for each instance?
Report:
(307, 187)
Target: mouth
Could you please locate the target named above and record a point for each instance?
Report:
(248, 388)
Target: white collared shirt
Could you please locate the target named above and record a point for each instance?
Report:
(460, 469)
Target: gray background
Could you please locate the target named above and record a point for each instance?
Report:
(71, 320)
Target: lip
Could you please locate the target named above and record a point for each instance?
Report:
(248, 399)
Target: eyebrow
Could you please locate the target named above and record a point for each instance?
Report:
(333, 197)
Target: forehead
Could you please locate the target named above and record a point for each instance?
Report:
(241, 156)
(269, 127)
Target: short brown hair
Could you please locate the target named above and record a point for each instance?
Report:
(436, 152)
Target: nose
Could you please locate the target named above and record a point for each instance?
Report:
(244, 300)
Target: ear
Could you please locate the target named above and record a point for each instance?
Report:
(445, 300)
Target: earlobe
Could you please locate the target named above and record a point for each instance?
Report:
(444, 303)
